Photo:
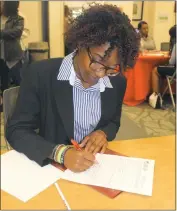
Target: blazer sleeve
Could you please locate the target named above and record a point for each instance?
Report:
(20, 130)
(112, 127)
(15, 32)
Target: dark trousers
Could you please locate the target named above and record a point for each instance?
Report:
(14, 73)
(9, 75)
(4, 74)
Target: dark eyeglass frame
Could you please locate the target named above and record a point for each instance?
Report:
(106, 68)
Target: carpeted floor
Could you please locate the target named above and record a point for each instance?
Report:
(155, 122)
(149, 122)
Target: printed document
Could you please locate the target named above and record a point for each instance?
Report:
(134, 175)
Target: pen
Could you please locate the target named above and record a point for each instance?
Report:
(62, 196)
(76, 146)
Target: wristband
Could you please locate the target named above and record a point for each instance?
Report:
(57, 151)
(54, 151)
(58, 156)
(63, 154)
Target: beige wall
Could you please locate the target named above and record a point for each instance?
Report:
(161, 28)
(75, 4)
(148, 15)
(32, 11)
(127, 6)
(56, 28)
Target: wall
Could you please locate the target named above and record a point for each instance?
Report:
(127, 6)
(148, 15)
(32, 11)
(161, 28)
(76, 4)
(56, 28)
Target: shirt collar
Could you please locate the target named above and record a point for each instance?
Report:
(67, 73)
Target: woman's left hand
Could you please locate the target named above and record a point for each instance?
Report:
(95, 142)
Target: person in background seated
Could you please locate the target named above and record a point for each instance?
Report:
(147, 42)
(79, 97)
(169, 69)
(172, 37)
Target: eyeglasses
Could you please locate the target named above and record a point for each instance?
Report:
(98, 66)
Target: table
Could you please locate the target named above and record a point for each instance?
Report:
(139, 78)
(162, 149)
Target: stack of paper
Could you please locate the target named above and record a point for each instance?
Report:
(128, 174)
(24, 178)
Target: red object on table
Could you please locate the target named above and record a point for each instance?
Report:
(139, 78)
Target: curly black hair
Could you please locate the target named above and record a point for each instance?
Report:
(99, 24)
(172, 33)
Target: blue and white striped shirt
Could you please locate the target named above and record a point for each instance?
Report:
(86, 102)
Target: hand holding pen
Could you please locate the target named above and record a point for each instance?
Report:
(78, 160)
(77, 147)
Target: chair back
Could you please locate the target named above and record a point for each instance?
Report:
(9, 103)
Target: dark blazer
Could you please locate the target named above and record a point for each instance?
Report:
(11, 36)
(47, 104)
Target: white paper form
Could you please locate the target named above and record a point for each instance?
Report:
(24, 178)
(128, 174)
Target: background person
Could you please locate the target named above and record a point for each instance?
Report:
(12, 26)
(160, 71)
(147, 42)
(165, 70)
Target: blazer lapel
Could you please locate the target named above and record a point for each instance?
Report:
(104, 103)
(64, 101)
